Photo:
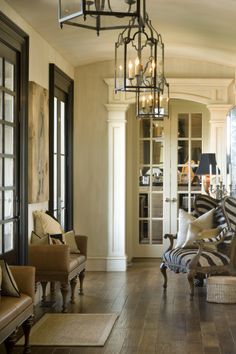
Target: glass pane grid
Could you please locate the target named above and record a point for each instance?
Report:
(189, 152)
(151, 182)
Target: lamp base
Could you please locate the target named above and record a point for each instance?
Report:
(207, 183)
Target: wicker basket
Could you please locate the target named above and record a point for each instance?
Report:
(221, 289)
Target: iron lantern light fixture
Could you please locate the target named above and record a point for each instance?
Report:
(99, 15)
(139, 59)
(153, 104)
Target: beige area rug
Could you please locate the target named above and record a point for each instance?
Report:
(71, 330)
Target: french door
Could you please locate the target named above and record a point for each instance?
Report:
(169, 153)
(13, 142)
(59, 157)
(61, 147)
(9, 147)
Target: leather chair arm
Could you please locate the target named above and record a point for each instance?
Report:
(82, 242)
(25, 279)
(49, 257)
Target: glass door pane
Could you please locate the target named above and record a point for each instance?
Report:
(151, 167)
(59, 159)
(8, 158)
(189, 139)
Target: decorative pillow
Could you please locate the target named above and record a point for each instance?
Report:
(208, 234)
(69, 239)
(204, 222)
(0, 279)
(184, 220)
(219, 218)
(56, 239)
(36, 240)
(9, 286)
(44, 224)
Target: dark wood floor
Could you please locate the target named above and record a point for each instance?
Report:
(149, 321)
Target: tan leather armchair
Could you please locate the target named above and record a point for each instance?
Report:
(17, 311)
(55, 263)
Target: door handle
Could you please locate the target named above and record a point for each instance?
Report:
(167, 200)
(174, 200)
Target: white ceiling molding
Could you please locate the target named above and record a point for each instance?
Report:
(205, 91)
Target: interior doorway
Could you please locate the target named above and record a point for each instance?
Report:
(168, 156)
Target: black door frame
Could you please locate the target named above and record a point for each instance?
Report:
(15, 38)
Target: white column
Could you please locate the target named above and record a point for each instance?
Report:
(116, 256)
(218, 134)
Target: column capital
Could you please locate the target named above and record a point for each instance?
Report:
(117, 107)
(219, 110)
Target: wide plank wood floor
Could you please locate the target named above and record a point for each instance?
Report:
(151, 321)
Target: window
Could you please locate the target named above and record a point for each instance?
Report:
(61, 147)
(151, 174)
(13, 142)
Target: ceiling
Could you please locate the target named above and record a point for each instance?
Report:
(196, 29)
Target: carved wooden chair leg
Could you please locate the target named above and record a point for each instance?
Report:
(10, 343)
(35, 287)
(81, 281)
(163, 268)
(26, 328)
(44, 287)
(64, 292)
(191, 275)
(52, 289)
(73, 283)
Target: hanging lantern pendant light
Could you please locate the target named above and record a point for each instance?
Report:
(141, 54)
(91, 14)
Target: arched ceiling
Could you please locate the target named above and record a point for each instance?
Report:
(196, 29)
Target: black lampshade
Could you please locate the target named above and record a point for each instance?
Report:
(205, 162)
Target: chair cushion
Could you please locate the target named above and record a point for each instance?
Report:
(204, 222)
(9, 286)
(181, 257)
(11, 307)
(184, 221)
(219, 218)
(0, 279)
(44, 224)
(69, 239)
(36, 240)
(204, 203)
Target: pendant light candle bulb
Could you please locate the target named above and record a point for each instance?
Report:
(143, 102)
(130, 70)
(153, 68)
(151, 100)
(137, 67)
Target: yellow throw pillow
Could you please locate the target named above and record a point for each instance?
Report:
(44, 224)
(204, 222)
(36, 240)
(208, 234)
(9, 286)
(69, 239)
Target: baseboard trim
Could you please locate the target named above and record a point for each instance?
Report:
(107, 264)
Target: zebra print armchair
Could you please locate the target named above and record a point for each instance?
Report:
(203, 261)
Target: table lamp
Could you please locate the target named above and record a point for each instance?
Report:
(207, 167)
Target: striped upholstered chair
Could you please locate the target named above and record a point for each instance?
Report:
(202, 261)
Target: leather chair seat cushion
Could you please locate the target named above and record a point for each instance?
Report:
(11, 307)
(75, 260)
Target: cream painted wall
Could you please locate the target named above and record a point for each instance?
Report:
(41, 53)
(91, 155)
